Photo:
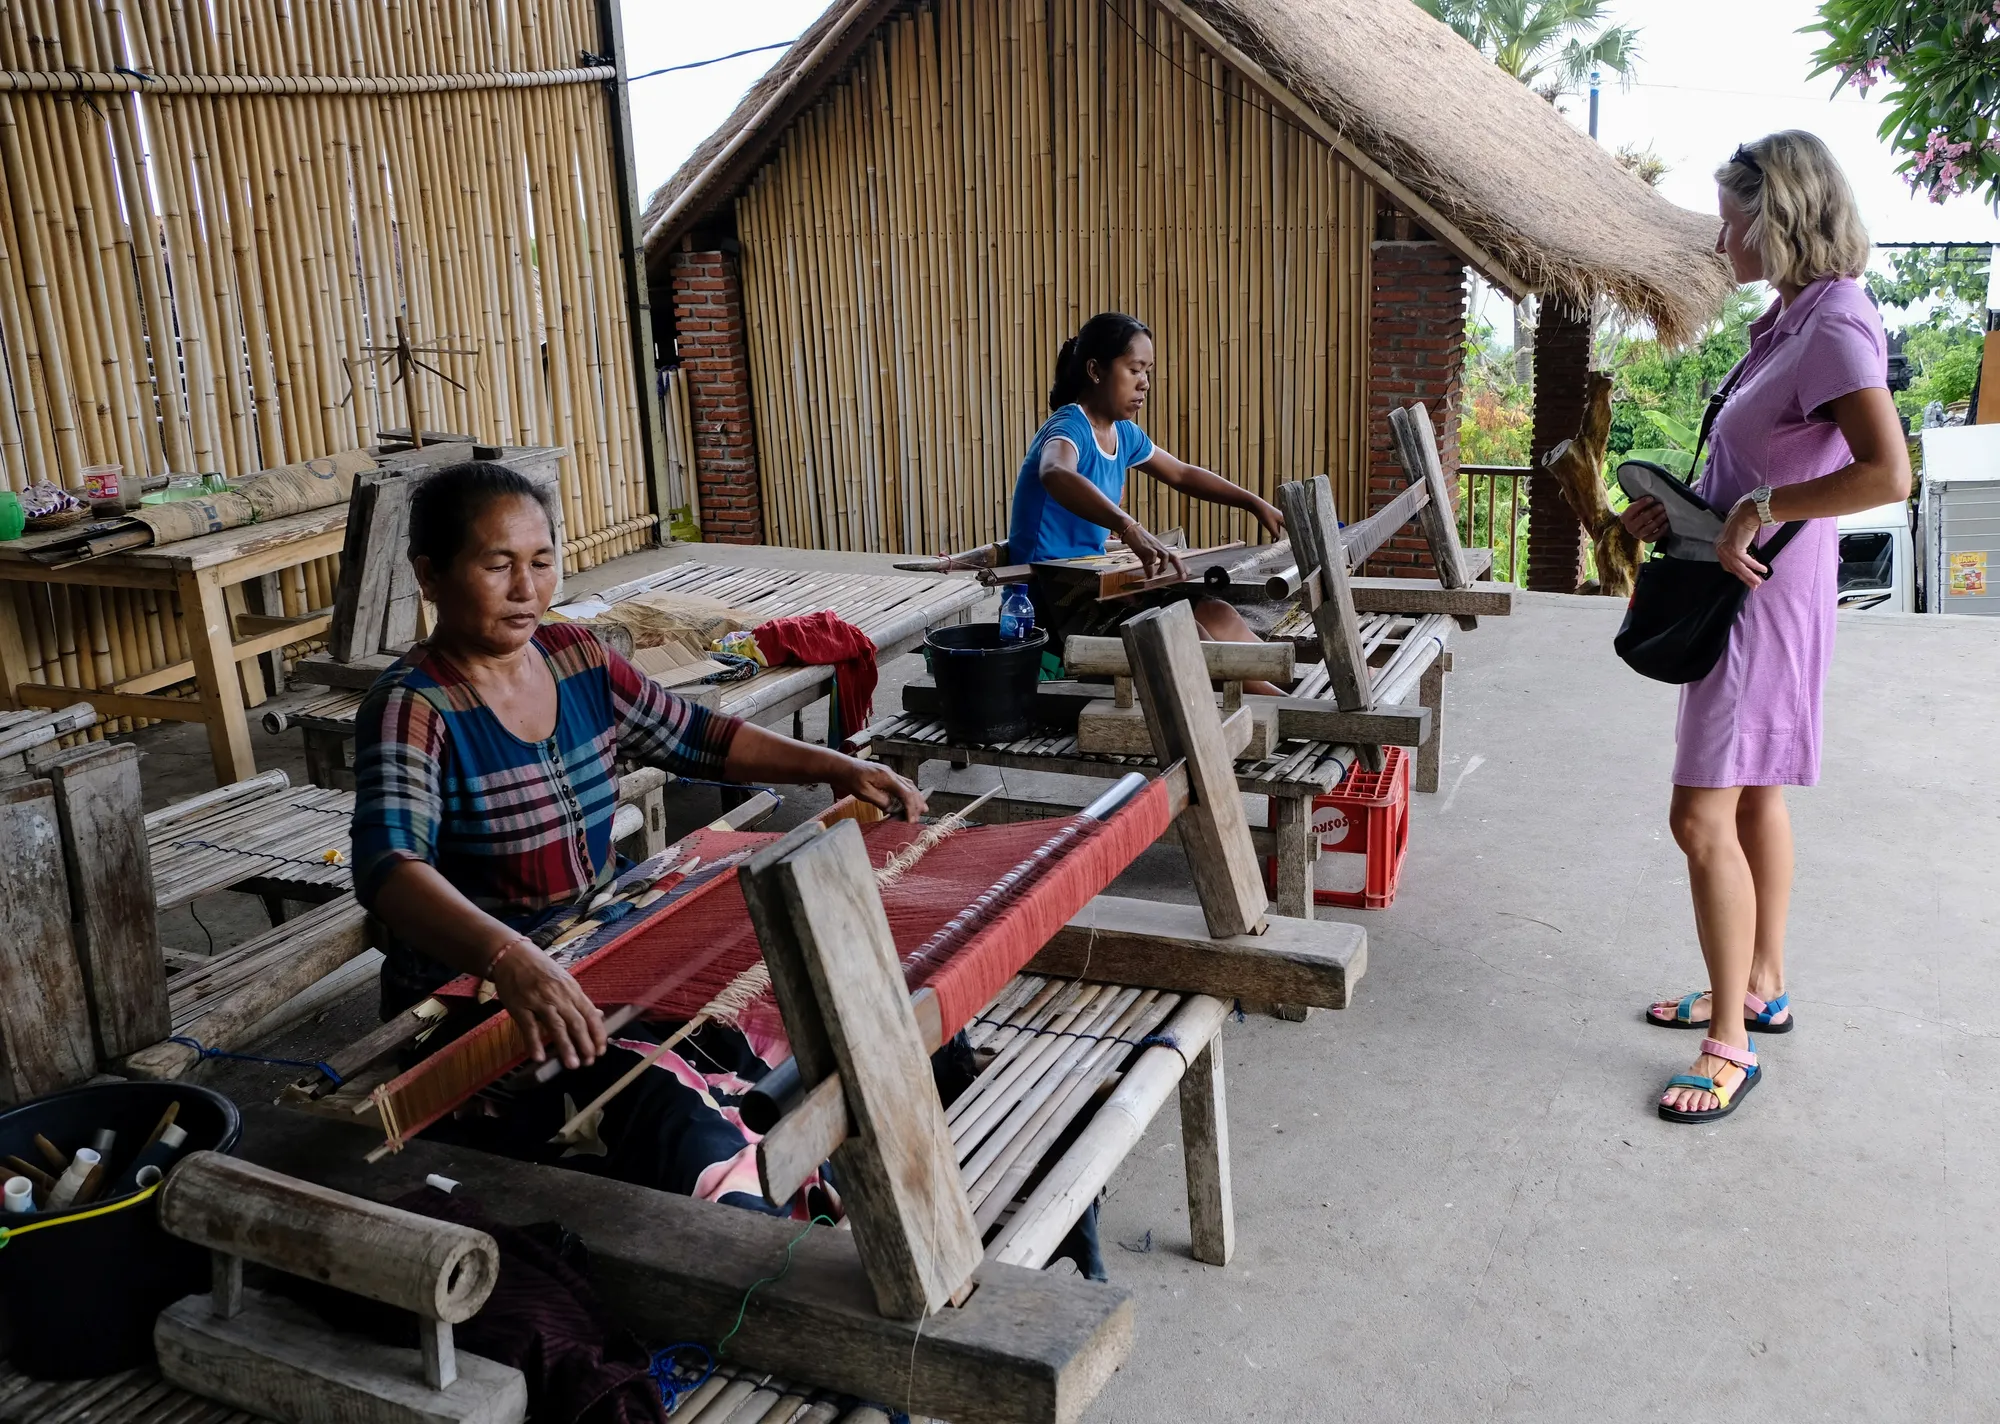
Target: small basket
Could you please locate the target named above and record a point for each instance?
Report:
(62, 519)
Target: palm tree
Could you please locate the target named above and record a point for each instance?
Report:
(1549, 45)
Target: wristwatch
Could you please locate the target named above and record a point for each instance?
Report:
(1761, 497)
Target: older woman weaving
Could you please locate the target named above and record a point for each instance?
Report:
(485, 786)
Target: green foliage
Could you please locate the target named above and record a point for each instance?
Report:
(1497, 416)
(1549, 45)
(1943, 345)
(1658, 396)
(1954, 278)
(1943, 59)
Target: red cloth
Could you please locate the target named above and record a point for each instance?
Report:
(825, 640)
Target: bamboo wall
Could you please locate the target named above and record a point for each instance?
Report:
(990, 174)
(192, 277)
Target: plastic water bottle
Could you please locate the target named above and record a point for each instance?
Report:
(1017, 613)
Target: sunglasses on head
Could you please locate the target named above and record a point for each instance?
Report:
(1747, 159)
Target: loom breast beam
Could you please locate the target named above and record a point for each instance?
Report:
(269, 1356)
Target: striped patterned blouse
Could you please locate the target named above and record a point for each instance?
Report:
(518, 827)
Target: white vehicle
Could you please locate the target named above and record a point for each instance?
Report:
(1878, 561)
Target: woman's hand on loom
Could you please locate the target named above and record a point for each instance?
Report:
(1154, 557)
(1268, 516)
(1645, 520)
(880, 787)
(549, 1007)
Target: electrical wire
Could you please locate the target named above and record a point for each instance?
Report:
(704, 63)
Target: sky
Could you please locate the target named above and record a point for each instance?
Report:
(1712, 74)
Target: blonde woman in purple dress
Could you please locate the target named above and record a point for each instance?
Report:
(1808, 432)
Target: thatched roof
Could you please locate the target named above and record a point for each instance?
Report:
(1475, 156)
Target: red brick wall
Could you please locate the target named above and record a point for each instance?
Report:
(708, 321)
(1416, 336)
(1562, 368)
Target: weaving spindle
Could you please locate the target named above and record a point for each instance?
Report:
(965, 918)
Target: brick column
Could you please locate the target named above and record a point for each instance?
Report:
(1562, 368)
(1416, 335)
(708, 325)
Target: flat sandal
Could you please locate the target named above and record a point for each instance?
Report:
(1758, 1016)
(1728, 1098)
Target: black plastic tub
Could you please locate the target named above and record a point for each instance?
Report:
(81, 1295)
(986, 683)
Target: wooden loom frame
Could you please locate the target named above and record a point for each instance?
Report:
(876, 1302)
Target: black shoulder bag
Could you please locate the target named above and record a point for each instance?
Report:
(1677, 624)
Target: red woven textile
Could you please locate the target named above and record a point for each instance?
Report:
(824, 639)
(676, 962)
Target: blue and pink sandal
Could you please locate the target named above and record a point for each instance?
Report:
(1758, 1016)
(1728, 1098)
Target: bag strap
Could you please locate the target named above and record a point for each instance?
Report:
(1772, 547)
(1715, 404)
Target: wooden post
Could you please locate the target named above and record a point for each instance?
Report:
(826, 939)
(1415, 439)
(1430, 755)
(114, 921)
(1205, 1151)
(44, 1015)
(210, 646)
(1315, 535)
(13, 648)
(1167, 665)
(1291, 828)
(632, 266)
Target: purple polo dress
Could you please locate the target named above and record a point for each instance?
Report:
(1755, 720)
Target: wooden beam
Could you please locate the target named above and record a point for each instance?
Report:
(119, 704)
(1308, 719)
(1159, 946)
(1226, 662)
(1025, 1348)
(1315, 533)
(1401, 595)
(1416, 447)
(1173, 691)
(1364, 536)
(832, 959)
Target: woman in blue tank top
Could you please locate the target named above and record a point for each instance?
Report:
(1066, 499)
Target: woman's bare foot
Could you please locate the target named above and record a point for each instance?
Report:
(1728, 1076)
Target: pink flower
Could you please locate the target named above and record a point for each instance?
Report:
(1947, 173)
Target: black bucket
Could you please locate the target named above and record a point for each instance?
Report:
(82, 1293)
(986, 683)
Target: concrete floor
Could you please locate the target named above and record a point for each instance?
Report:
(1454, 1200)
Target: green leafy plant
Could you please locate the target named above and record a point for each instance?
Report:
(1942, 59)
(1549, 45)
(1942, 291)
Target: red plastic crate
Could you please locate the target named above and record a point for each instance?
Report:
(1368, 814)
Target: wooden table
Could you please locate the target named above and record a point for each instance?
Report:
(201, 571)
(895, 610)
